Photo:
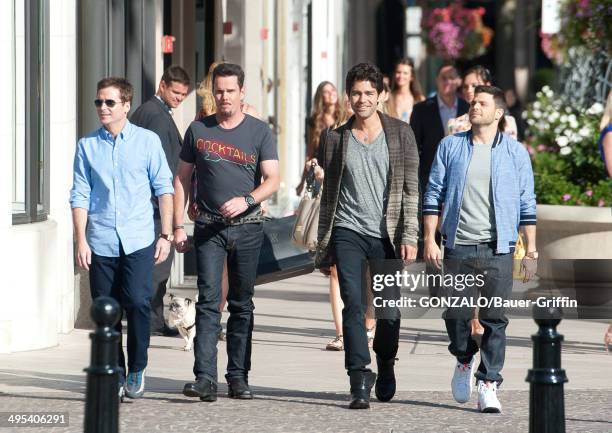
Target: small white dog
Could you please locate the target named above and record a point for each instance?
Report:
(182, 316)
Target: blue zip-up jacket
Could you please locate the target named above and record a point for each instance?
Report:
(511, 180)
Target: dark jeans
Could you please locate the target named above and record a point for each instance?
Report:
(496, 270)
(127, 279)
(161, 273)
(241, 245)
(351, 251)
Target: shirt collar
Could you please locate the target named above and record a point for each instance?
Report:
(441, 103)
(165, 105)
(124, 134)
(496, 140)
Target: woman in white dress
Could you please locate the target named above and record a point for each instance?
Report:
(405, 91)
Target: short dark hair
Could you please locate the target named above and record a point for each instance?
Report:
(229, 70)
(496, 92)
(176, 73)
(498, 98)
(364, 72)
(447, 64)
(126, 91)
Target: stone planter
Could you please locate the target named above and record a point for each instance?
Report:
(575, 245)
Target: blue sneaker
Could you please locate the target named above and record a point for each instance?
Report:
(135, 384)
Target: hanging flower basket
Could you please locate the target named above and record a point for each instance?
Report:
(455, 32)
(585, 24)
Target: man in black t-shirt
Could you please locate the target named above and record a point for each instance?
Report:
(231, 152)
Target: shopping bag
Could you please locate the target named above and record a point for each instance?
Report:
(280, 257)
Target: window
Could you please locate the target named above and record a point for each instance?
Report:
(30, 163)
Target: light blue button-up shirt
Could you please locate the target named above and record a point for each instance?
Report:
(114, 179)
(446, 112)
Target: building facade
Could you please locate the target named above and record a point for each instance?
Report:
(59, 49)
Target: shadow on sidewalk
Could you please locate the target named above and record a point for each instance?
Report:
(291, 295)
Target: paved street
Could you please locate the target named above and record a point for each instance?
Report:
(301, 387)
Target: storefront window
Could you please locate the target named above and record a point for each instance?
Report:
(30, 163)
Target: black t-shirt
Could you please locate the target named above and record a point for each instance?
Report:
(227, 161)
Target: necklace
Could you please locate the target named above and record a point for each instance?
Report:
(366, 136)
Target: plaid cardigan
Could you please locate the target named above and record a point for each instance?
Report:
(402, 211)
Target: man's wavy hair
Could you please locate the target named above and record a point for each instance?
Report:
(364, 72)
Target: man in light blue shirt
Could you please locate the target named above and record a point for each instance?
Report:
(117, 168)
(447, 112)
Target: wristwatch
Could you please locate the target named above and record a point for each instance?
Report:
(532, 255)
(250, 201)
(169, 238)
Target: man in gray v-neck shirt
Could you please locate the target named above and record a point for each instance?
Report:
(369, 210)
(363, 192)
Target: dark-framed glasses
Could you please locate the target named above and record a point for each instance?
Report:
(110, 103)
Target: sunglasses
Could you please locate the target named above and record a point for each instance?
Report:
(110, 103)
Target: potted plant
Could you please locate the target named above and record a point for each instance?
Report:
(562, 141)
(573, 194)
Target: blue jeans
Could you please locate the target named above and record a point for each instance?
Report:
(352, 250)
(128, 280)
(240, 244)
(496, 270)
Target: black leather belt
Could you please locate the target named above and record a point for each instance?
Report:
(204, 217)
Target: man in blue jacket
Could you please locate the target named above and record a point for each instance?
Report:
(481, 184)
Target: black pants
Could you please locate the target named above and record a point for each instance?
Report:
(497, 272)
(351, 251)
(161, 274)
(241, 245)
(127, 279)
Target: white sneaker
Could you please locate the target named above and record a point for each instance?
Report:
(487, 397)
(462, 382)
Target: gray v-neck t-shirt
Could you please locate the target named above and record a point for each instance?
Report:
(364, 188)
(477, 215)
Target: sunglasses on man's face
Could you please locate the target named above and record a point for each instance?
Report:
(110, 103)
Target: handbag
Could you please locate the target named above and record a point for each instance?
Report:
(519, 253)
(279, 257)
(304, 233)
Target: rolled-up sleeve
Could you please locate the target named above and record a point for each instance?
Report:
(81, 179)
(160, 175)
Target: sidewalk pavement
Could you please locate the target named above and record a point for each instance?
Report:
(300, 387)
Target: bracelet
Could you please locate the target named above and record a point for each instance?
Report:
(181, 227)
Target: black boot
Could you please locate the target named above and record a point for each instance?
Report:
(385, 382)
(238, 387)
(361, 385)
(203, 388)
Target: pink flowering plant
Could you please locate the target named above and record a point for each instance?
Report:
(585, 25)
(563, 143)
(455, 32)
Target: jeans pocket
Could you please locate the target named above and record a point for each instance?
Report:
(204, 230)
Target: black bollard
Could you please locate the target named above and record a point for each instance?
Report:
(102, 401)
(546, 378)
